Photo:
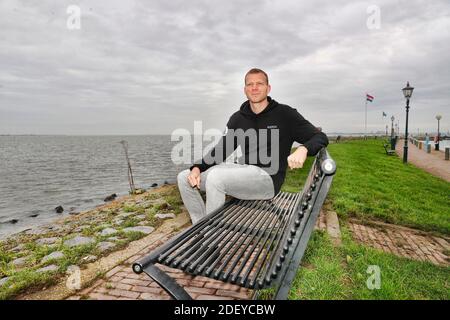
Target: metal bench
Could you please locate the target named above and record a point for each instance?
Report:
(388, 152)
(254, 244)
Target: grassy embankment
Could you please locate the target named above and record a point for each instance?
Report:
(369, 185)
(138, 210)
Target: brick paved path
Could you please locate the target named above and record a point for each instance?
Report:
(121, 283)
(402, 242)
(433, 162)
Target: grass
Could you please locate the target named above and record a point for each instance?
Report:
(26, 279)
(330, 272)
(371, 185)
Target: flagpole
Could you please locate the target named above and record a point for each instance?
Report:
(365, 121)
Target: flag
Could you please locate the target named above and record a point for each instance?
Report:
(384, 114)
(369, 97)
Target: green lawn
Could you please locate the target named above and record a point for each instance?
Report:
(330, 272)
(370, 184)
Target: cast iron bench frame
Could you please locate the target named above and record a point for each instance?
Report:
(388, 152)
(256, 244)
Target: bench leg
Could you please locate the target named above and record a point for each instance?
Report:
(167, 283)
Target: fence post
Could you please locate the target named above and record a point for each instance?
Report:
(447, 153)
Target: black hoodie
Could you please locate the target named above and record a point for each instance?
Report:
(291, 127)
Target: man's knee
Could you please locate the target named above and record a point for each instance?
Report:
(182, 177)
(215, 179)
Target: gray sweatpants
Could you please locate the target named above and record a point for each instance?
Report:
(246, 182)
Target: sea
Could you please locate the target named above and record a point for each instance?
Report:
(40, 173)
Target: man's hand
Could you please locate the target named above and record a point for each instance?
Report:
(297, 159)
(194, 177)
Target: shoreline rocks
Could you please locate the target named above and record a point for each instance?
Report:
(79, 241)
(50, 268)
(110, 198)
(53, 256)
(142, 229)
(165, 216)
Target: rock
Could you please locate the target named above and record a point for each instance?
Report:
(140, 217)
(36, 231)
(164, 206)
(165, 182)
(110, 198)
(81, 228)
(118, 222)
(46, 241)
(18, 248)
(50, 268)
(146, 230)
(126, 214)
(105, 246)
(3, 281)
(53, 256)
(12, 221)
(79, 241)
(139, 191)
(59, 209)
(20, 262)
(89, 258)
(165, 215)
(33, 215)
(57, 228)
(154, 185)
(114, 239)
(108, 232)
(74, 213)
(142, 223)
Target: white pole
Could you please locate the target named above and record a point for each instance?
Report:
(365, 122)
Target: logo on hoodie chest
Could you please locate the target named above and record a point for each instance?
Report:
(272, 126)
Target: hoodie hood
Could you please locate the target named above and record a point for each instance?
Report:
(246, 110)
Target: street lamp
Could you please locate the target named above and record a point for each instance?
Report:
(407, 92)
(392, 126)
(386, 130)
(436, 146)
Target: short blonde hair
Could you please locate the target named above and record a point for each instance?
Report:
(254, 71)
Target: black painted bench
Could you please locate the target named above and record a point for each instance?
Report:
(255, 244)
(388, 151)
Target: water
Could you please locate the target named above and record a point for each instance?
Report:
(39, 173)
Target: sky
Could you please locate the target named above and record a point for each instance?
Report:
(151, 67)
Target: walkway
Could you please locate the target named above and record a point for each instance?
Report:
(433, 162)
(402, 241)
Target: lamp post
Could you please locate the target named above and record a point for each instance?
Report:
(392, 126)
(407, 92)
(438, 118)
(386, 130)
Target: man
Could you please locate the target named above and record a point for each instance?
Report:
(274, 127)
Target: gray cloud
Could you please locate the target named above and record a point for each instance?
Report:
(140, 67)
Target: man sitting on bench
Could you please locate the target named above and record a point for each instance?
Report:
(265, 131)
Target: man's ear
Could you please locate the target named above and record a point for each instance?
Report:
(270, 88)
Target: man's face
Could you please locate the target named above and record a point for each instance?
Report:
(256, 88)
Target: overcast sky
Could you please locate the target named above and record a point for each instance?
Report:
(146, 67)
